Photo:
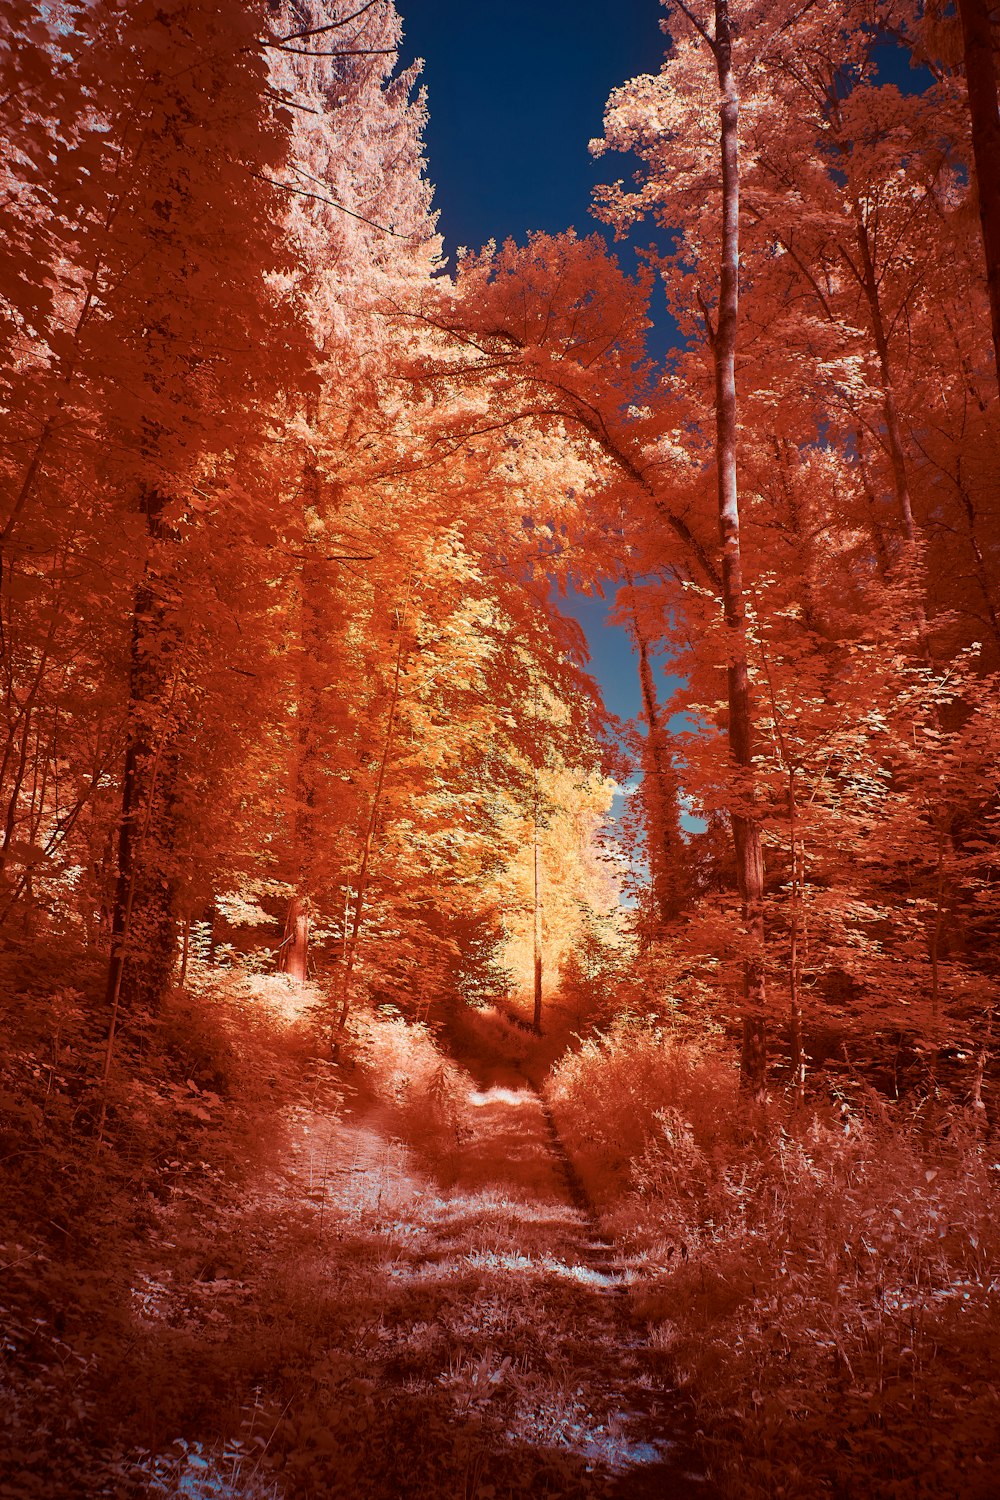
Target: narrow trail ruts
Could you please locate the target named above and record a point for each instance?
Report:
(518, 1149)
(481, 1277)
(660, 1423)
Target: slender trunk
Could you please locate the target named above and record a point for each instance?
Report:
(935, 936)
(890, 414)
(875, 528)
(797, 882)
(127, 831)
(661, 801)
(294, 951)
(894, 441)
(22, 720)
(209, 923)
(537, 855)
(936, 933)
(797, 1047)
(185, 952)
(976, 1099)
(347, 921)
(746, 829)
(373, 816)
(981, 82)
(982, 572)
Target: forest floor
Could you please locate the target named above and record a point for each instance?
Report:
(244, 1271)
(375, 1312)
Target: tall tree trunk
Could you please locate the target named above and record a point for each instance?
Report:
(746, 829)
(796, 1039)
(983, 578)
(144, 917)
(890, 412)
(876, 530)
(294, 951)
(981, 82)
(295, 941)
(537, 927)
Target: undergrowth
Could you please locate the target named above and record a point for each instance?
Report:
(242, 1271)
(822, 1282)
(400, 1066)
(113, 1193)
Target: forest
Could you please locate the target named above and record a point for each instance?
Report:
(416, 1080)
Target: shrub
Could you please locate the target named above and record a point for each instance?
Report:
(822, 1283)
(636, 1101)
(402, 1068)
(196, 1040)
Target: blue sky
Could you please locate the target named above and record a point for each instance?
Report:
(516, 91)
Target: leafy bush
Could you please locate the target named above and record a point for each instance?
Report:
(640, 1093)
(121, 1222)
(195, 1039)
(402, 1068)
(822, 1283)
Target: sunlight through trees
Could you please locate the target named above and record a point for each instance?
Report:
(313, 817)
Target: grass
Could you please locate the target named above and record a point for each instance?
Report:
(267, 1276)
(277, 1279)
(823, 1283)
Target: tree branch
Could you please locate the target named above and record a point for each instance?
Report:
(290, 187)
(706, 314)
(697, 25)
(298, 36)
(343, 52)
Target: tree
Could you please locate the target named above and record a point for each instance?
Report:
(721, 330)
(158, 339)
(984, 112)
(360, 217)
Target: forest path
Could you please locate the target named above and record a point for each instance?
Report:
(411, 1300)
(478, 1274)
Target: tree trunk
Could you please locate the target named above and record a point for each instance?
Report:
(144, 918)
(746, 829)
(313, 589)
(981, 82)
(185, 951)
(295, 941)
(890, 413)
(982, 571)
(796, 1039)
(876, 530)
(537, 854)
(665, 854)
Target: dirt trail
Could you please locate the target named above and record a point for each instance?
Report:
(499, 1288)
(402, 1308)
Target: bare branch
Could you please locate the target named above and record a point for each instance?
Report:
(287, 103)
(290, 187)
(298, 36)
(343, 52)
(706, 314)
